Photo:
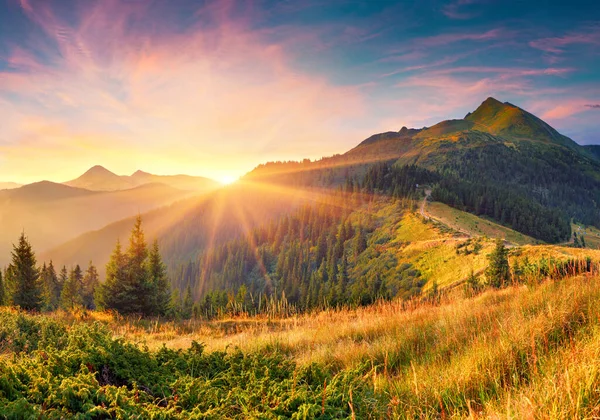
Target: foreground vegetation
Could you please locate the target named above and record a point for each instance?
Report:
(523, 351)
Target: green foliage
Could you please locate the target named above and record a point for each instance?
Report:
(91, 280)
(23, 277)
(82, 372)
(71, 295)
(498, 271)
(52, 287)
(136, 280)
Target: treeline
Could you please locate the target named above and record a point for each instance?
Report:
(504, 204)
(317, 257)
(553, 177)
(136, 281)
(30, 287)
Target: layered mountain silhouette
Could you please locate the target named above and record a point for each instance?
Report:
(499, 147)
(99, 178)
(51, 213)
(9, 185)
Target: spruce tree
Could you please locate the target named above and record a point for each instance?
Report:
(90, 283)
(136, 282)
(62, 278)
(112, 293)
(498, 271)
(70, 296)
(188, 303)
(160, 292)
(24, 276)
(51, 287)
(174, 309)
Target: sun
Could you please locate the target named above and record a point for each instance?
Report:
(227, 179)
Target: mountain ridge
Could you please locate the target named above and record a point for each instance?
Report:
(98, 178)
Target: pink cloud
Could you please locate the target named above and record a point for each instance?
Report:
(564, 109)
(455, 10)
(205, 99)
(556, 45)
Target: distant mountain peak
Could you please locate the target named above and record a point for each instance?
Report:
(98, 170)
(139, 173)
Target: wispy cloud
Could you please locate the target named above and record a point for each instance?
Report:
(458, 9)
(190, 98)
(558, 45)
(594, 106)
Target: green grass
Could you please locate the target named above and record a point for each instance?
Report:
(475, 226)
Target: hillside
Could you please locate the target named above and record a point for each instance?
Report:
(499, 154)
(187, 227)
(269, 231)
(99, 178)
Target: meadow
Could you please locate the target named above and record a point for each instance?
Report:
(525, 351)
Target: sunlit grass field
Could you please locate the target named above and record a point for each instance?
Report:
(527, 351)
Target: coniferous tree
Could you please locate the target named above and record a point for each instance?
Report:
(188, 303)
(137, 282)
(160, 294)
(23, 275)
(70, 296)
(174, 309)
(62, 278)
(498, 271)
(112, 294)
(51, 287)
(90, 283)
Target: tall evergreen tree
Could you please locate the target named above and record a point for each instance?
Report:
(188, 303)
(70, 296)
(90, 283)
(62, 277)
(498, 271)
(112, 294)
(137, 282)
(24, 276)
(51, 287)
(160, 294)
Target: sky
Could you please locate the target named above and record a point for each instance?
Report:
(214, 88)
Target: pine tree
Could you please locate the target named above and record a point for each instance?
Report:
(137, 279)
(160, 294)
(360, 242)
(70, 296)
(112, 293)
(62, 278)
(24, 276)
(188, 303)
(51, 287)
(90, 283)
(498, 271)
(174, 309)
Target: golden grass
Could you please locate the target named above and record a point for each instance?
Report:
(520, 352)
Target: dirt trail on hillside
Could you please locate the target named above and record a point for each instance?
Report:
(427, 216)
